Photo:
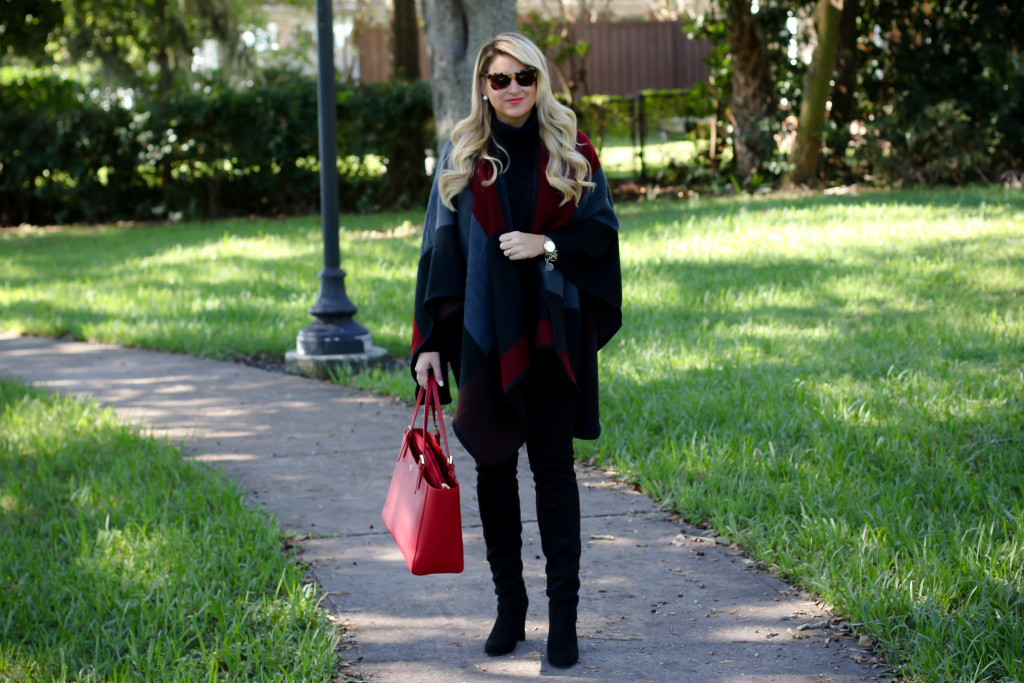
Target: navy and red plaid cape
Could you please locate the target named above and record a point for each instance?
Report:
(488, 315)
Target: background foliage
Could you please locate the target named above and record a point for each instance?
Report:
(138, 43)
(942, 90)
(70, 153)
(923, 93)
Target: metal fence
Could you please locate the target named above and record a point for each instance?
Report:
(629, 56)
(624, 56)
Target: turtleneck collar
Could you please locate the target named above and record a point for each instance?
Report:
(506, 134)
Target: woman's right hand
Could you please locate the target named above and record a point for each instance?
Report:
(427, 362)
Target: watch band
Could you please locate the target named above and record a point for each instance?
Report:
(550, 254)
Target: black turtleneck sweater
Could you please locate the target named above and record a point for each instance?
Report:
(521, 152)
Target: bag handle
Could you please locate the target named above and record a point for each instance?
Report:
(430, 399)
(435, 404)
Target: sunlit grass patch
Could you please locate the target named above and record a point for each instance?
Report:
(223, 290)
(620, 158)
(839, 385)
(122, 561)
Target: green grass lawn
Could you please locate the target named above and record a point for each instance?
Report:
(121, 561)
(837, 383)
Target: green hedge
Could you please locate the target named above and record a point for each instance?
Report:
(617, 115)
(68, 155)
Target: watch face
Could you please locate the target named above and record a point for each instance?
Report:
(549, 246)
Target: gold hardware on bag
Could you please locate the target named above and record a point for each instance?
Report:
(445, 486)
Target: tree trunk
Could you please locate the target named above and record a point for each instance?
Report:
(847, 65)
(843, 110)
(405, 41)
(455, 31)
(408, 181)
(817, 84)
(753, 90)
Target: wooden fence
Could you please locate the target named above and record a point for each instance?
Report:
(624, 56)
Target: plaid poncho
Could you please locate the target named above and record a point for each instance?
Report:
(488, 316)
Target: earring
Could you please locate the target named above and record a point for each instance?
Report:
(485, 98)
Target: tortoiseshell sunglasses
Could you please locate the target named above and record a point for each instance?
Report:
(525, 78)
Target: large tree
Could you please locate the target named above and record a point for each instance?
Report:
(753, 100)
(405, 40)
(129, 36)
(405, 165)
(455, 30)
(817, 86)
(847, 65)
(132, 41)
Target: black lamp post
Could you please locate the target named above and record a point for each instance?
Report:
(335, 338)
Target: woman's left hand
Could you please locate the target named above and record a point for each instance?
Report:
(517, 246)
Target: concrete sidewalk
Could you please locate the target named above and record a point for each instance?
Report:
(661, 601)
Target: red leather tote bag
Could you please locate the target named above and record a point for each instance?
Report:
(422, 507)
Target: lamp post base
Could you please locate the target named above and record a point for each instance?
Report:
(326, 366)
(325, 347)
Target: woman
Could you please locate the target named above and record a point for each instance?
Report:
(517, 289)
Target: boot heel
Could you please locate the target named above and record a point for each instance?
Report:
(509, 628)
(563, 649)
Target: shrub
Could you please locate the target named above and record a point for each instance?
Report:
(68, 155)
(939, 144)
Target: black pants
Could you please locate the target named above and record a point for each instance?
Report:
(550, 451)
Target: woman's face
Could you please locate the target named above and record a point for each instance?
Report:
(513, 104)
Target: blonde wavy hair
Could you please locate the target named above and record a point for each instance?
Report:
(568, 171)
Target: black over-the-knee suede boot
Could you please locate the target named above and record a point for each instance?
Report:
(498, 497)
(558, 516)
